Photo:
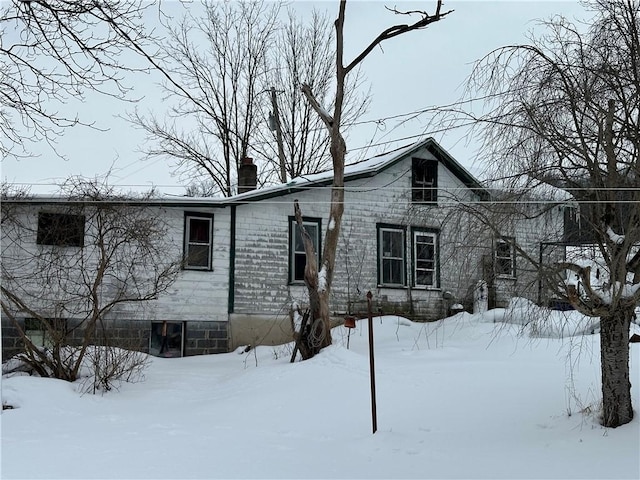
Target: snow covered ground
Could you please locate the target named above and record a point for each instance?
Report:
(461, 398)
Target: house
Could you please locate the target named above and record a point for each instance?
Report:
(404, 237)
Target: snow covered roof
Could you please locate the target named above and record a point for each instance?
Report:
(362, 169)
(365, 168)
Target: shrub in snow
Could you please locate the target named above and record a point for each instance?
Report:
(102, 368)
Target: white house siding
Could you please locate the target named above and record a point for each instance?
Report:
(197, 298)
(197, 295)
(529, 235)
(263, 296)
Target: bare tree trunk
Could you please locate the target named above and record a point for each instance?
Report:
(614, 357)
(316, 334)
(319, 282)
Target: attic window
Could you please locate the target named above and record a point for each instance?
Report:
(60, 229)
(424, 180)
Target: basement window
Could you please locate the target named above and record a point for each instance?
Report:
(60, 229)
(45, 332)
(167, 339)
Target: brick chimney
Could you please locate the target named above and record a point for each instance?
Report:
(247, 175)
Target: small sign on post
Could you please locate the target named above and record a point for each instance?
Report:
(372, 373)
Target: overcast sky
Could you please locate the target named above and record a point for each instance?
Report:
(409, 73)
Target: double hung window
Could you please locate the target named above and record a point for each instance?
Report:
(505, 263)
(198, 241)
(400, 263)
(425, 258)
(297, 255)
(391, 257)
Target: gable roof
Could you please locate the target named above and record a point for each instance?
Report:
(364, 169)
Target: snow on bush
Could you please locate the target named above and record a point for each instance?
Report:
(103, 368)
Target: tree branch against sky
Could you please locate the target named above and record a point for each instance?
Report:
(215, 63)
(52, 51)
(221, 65)
(563, 113)
(319, 281)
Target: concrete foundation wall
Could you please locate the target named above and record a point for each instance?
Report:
(200, 338)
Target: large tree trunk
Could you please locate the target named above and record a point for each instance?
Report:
(319, 281)
(614, 356)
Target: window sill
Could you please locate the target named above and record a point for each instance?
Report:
(394, 287)
(506, 277)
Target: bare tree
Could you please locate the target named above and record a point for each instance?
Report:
(234, 75)
(53, 50)
(69, 268)
(215, 68)
(318, 279)
(303, 54)
(562, 113)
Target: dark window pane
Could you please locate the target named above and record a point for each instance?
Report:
(198, 256)
(424, 277)
(312, 230)
(503, 250)
(424, 251)
(503, 266)
(300, 260)
(392, 244)
(425, 264)
(392, 272)
(166, 339)
(297, 251)
(199, 229)
(60, 229)
(298, 244)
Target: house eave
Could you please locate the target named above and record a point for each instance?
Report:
(159, 202)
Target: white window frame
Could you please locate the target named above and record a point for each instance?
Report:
(511, 258)
(434, 237)
(188, 242)
(387, 257)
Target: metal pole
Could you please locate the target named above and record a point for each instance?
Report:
(372, 373)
